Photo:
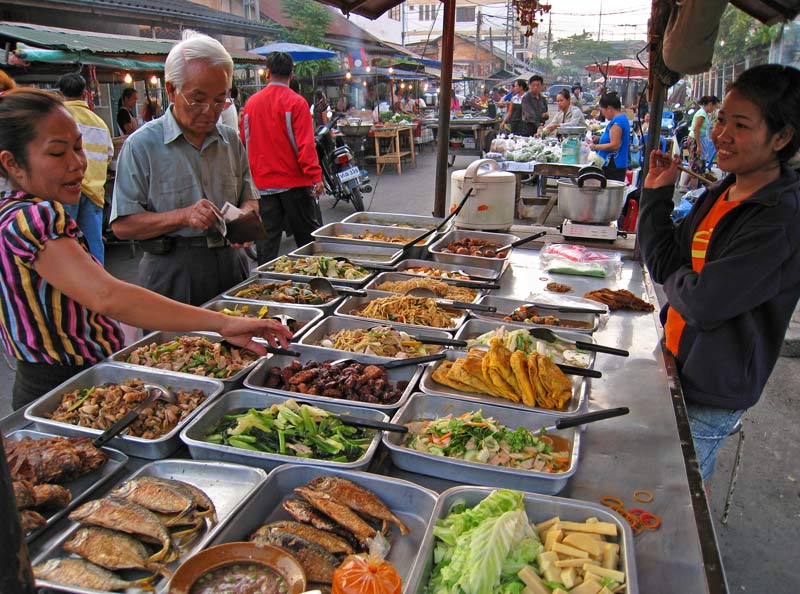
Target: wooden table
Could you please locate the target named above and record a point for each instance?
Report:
(395, 153)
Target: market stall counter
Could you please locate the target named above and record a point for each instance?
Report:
(467, 135)
(638, 459)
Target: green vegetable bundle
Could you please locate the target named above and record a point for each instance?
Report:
(293, 429)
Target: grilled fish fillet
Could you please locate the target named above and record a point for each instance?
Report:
(357, 498)
(342, 514)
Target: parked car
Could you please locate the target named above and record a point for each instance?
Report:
(553, 90)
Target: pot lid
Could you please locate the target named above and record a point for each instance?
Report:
(485, 177)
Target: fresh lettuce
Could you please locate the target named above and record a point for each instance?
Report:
(480, 550)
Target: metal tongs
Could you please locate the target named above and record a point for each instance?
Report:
(154, 392)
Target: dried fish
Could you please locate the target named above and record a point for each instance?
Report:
(112, 550)
(342, 514)
(82, 574)
(125, 517)
(357, 498)
(156, 495)
(317, 563)
(328, 541)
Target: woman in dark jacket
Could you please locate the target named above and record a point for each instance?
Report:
(731, 268)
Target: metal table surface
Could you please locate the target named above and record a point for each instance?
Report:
(645, 449)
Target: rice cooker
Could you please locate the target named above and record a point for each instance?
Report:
(491, 205)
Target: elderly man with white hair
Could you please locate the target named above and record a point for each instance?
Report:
(175, 174)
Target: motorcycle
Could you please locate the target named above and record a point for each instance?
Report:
(341, 176)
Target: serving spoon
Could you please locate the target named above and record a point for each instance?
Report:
(323, 285)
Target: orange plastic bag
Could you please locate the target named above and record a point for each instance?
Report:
(366, 574)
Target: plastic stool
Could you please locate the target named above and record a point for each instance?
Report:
(738, 428)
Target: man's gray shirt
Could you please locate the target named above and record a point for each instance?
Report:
(159, 171)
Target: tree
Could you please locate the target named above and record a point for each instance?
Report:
(739, 33)
(579, 50)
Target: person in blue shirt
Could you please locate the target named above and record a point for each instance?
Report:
(613, 144)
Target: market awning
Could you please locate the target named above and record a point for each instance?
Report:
(37, 43)
(371, 9)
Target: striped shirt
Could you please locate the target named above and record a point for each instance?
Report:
(39, 323)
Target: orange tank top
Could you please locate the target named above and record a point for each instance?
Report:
(673, 329)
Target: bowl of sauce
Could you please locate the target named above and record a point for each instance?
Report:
(239, 568)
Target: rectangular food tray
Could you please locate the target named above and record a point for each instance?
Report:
(498, 264)
(332, 233)
(80, 487)
(268, 268)
(388, 277)
(412, 504)
(334, 324)
(305, 315)
(387, 254)
(229, 486)
(577, 404)
(429, 406)
(104, 373)
(352, 303)
(242, 400)
(475, 327)
(476, 271)
(506, 306)
(396, 220)
(539, 508)
(162, 337)
(323, 308)
(257, 378)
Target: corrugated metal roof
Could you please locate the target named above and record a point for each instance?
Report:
(177, 11)
(70, 40)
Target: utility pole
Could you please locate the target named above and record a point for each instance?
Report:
(600, 20)
(509, 20)
(403, 24)
(477, 43)
(491, 52)
(549, 32)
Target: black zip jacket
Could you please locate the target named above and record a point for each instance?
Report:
(738, 308)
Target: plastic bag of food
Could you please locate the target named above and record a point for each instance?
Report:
(368, 573)
(567, 258)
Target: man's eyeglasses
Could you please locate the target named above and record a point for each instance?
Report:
(203, 107)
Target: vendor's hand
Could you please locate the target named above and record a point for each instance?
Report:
(663, 170)
(317, 188)
(237, 246)
(202, 215)
(240, 331)
(545, 116)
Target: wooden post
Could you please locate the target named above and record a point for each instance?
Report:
(16, 576)
(448, 42)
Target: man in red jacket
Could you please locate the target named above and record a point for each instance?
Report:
(277, 129)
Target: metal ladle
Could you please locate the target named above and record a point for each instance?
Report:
(323, 285)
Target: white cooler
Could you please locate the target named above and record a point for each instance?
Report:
(491, 206)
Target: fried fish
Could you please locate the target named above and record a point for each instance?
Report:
(327, 540)
(317, 563)
(340, 513)
(357, 498)
(112, 550)
(82, 574)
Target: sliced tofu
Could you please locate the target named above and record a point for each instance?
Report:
(584, 542)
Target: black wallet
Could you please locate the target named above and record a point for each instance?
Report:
(245, 229)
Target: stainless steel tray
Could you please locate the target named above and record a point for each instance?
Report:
(383, 253)
(411, 503)
(477, 271)
(396, 220)
(162, 336)
(333, 324)
(81, 487)
(353, 303)
(104, 373)
(385, 277)
(332, 232)
(428, 407)
(269, 270)
(257, 378)
(229, 486)
(324, 308)
(539, 508)
(305, 315)
(506, 306)
(239, 400)
(474, 327)
(577, 404)
(498, 264)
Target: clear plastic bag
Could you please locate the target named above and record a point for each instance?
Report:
(567, 258)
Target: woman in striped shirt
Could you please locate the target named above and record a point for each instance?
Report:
(59, 305)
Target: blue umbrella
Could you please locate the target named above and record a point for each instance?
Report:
(299, 52)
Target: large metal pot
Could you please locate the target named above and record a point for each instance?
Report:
(590, 198)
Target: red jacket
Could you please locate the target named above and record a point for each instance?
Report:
(277, 158)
